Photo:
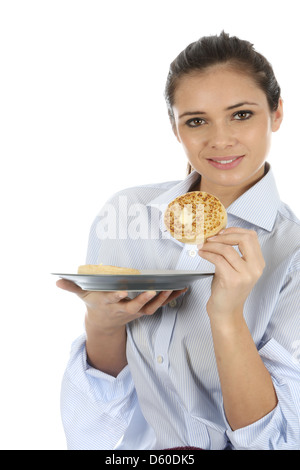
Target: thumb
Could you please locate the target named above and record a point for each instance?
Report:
(70, 287)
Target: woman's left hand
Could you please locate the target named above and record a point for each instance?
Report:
(235, 275)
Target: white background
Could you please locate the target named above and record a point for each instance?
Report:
(82, 116)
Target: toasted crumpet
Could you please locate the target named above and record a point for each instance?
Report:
(194, 217)
(102, 269)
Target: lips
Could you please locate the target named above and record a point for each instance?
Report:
(226, 162)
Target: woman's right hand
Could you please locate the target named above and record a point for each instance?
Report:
(109, 311)
(106, 316)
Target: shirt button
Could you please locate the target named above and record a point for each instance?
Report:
(192, 253)
(173, 303)
(160, 359)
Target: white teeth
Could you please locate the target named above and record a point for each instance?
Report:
(224, 162)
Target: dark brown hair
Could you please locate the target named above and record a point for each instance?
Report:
(222, 49)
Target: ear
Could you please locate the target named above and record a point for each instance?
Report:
(277, 116)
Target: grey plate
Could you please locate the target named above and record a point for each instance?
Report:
(148, 280)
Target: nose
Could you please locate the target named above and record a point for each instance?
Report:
(221, 137)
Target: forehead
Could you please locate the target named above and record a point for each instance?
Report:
(218, 86)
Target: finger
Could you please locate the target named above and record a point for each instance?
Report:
(135, 305)
(232, 230)
(221, 264)
(114, 297)
(157, 302)
(232, 239)
(174, 295)
(223, 251)
(162, 299)
(246, 240)
(236, 234)
(69, 286)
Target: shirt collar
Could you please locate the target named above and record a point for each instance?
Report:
(258, 205)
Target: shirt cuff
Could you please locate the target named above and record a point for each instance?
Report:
(95, 384)
(279, 429)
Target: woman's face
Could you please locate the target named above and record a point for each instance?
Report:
(223, 121)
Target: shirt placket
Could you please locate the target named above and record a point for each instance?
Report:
(188, 260)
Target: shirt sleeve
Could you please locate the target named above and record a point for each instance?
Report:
(96, 408)
(280, 429)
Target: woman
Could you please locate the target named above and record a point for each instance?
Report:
(214, 366)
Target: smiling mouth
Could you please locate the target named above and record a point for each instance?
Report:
(225, 160)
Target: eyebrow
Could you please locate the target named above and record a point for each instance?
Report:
(238, 105)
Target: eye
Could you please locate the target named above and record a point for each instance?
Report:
(242, 115)
(195, 122)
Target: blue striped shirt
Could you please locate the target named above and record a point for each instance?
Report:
(169, 394)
